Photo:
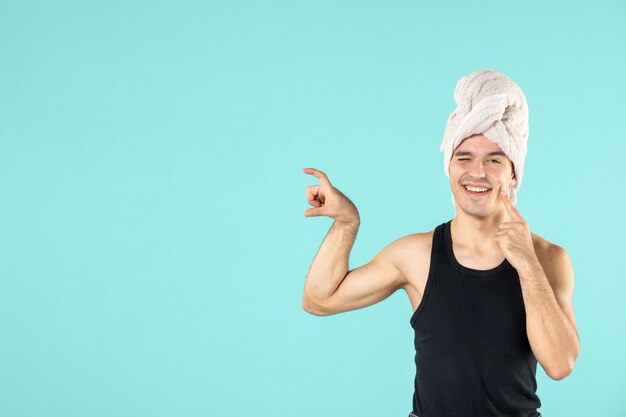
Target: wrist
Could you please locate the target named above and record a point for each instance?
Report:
(353, 225)
(532, 266)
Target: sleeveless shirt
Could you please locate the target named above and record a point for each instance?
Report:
(472, 354)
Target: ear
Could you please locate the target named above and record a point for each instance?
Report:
(513, 178)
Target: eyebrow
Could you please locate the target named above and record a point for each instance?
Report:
(464, 153)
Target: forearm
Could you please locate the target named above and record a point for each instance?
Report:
(551, 334)
(330, 265)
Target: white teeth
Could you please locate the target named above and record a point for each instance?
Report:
(475, 189)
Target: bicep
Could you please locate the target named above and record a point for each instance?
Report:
(367, 284)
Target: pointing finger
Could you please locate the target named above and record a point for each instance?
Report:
(319, 175)
(511, 210)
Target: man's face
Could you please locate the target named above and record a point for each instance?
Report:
(480, 162)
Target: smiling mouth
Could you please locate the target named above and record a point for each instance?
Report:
(477, 192)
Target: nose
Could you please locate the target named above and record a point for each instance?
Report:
(477, 169)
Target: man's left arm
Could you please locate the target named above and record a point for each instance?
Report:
(550, 321)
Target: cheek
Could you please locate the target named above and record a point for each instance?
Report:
(505, 180)
(454, 170)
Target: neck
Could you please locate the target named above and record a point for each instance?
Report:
(476, 232)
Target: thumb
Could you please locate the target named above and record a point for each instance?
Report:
(314, 212)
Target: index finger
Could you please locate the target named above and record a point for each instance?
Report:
(319, 174)
(510, 208)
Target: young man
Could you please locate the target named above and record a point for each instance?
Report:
(490, 298)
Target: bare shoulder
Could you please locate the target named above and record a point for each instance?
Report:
(554, 260)
(411, 254)
(548, 253)
(410, 247)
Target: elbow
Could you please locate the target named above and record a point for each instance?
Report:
(562, 371)
(560, 374)
(313, 308)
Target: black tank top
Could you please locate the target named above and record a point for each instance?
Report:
(472, 354)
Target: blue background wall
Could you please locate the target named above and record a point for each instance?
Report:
(153, 246)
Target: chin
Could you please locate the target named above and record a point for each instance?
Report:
(476, 211)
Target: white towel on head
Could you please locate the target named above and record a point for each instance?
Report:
(491, 104)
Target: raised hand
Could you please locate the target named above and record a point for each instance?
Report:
(514, 237)
(329, 201)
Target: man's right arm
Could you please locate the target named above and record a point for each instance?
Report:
(330, 288)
